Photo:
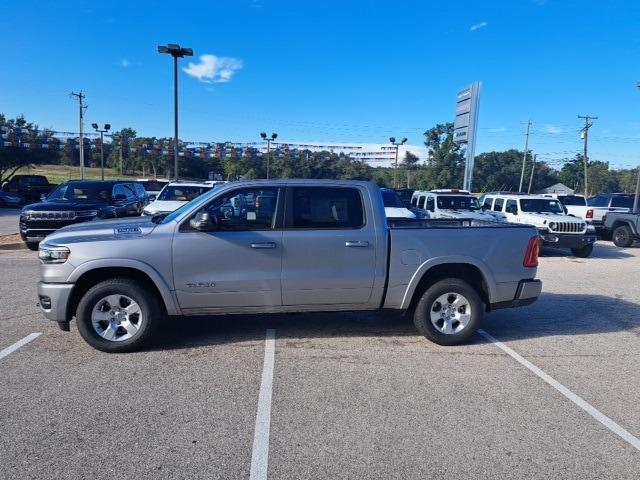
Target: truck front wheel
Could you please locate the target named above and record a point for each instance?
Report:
(449, 312)
(118, 315)
(583, 252)
(622, 236)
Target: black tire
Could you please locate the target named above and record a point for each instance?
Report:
(583, 252)
(422, 312)
(622, 236)
(150, 306)
(32, 246)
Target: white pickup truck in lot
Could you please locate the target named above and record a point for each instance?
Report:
(282, 246)
(547, 214)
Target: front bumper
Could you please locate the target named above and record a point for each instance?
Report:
(53, 299)
(527, 292)
(567, 240)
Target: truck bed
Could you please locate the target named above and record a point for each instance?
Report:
(417, 246)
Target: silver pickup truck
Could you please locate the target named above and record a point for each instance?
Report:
(282, 246)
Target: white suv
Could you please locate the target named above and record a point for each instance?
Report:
(547, 214)
(174, 195)
(451, 204)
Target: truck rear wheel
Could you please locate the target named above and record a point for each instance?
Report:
(622, 236)
(118, 315)
(449, 312)
(583, 252)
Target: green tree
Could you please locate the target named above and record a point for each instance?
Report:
(445, 166)
(410, 165)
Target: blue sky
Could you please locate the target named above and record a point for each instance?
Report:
(342, 71)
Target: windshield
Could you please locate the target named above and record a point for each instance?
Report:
(182, 193)
(391, 199)
(573, 200)
(152, 186)
(82, 191)
(183, 208)
(458, 202)
(540, 205)
(36, 180)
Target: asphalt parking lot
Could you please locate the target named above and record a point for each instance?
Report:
(9, 220)
(335, 395)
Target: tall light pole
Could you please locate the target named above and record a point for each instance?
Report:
(107, 127)
(392, 140)
(636, 200)
(263, 135)
(176, 51)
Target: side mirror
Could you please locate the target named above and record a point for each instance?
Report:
(202, 222)
(119, 198)
(43, 197)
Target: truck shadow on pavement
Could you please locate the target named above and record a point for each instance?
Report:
(603, 250)
(552, 315)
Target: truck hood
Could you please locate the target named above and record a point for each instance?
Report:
(542, 219)
(66, 205)
(395, 212)
(163, 206)
(100, 230)
(471, 214)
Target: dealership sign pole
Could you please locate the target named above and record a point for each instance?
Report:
(466, 126)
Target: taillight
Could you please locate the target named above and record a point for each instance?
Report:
(589, 213)
(531, 255)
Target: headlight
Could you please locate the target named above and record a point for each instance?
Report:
(53, 254)
(553, 225)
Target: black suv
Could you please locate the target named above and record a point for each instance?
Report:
(78, 201)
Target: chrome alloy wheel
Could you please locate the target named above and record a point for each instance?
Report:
(116, 318)
(450, 313)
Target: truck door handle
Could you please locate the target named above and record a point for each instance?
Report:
(263, 245)
(356, 243)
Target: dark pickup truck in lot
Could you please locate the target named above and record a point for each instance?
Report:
(29, 187)
(624, 228)
(77, 201)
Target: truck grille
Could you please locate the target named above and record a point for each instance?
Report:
(38, 215)
(568, 227)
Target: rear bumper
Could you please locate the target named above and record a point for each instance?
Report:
(53, 299)
(527, 292)
(566, 240)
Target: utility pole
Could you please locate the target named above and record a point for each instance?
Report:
(533, 168)
(80, 96)
(637, 198)
(524, 157)
(585, 135)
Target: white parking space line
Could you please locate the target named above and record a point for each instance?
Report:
(260, 454)
(594, 412)
(12, 348)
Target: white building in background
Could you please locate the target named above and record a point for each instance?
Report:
(375, 154)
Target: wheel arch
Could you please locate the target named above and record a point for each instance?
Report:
(625, 223)
(464, 269)
(92, 273)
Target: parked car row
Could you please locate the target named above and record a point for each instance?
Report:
(77, 201)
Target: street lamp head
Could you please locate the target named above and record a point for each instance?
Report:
(392, 139)
(95, 126)
(263, 135)
(274, 136)
(638, 85)
(175, 50)
(107, 126)
(404, 140)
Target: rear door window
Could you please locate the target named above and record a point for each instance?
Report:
(622, 202)
(499, 203)
(325, 208)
